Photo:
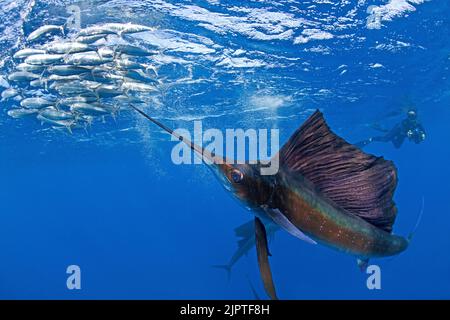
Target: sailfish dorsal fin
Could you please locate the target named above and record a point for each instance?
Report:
(360, 183)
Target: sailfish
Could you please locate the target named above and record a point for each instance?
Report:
(326, 191)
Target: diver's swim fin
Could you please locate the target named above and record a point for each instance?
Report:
(263, 259)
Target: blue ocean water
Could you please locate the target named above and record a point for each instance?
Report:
(111, 201)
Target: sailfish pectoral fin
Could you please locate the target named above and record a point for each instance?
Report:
(262, 251)
(284, 223)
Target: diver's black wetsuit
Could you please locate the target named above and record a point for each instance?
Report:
(409, 128)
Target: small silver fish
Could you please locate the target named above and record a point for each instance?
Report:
(55, 77)
(42, 83)
(127, 64)
(44, 59)
(108, 91)
(89, 109)
(137, 86)
(30, 67)
(67, 47)
(133, 50)
(114, 28)
(9, 93)
(55, 114)
(36, 103)
(95, 30)
(102, 76)
(86, 59)
(68, 124)
(67, 70)
(22, 76)
(20, 113)
(137, 76)
(73, 100)
(24, 53)
(69, 89)
(129, 28)
(90, 39)
(44, 30)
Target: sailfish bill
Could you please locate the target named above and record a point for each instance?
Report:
(326, 191)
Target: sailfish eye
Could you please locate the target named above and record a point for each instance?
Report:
(237, 176)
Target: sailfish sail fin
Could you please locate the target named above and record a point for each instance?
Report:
(359, 183)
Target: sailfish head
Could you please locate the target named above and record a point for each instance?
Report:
(243, 180)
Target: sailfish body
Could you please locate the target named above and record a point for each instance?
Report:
(326, 191)
(325, 222)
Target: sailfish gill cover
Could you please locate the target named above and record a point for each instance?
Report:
(86, 181)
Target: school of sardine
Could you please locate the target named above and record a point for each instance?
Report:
(72, 81)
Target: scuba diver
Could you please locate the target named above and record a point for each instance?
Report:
(409, 128)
